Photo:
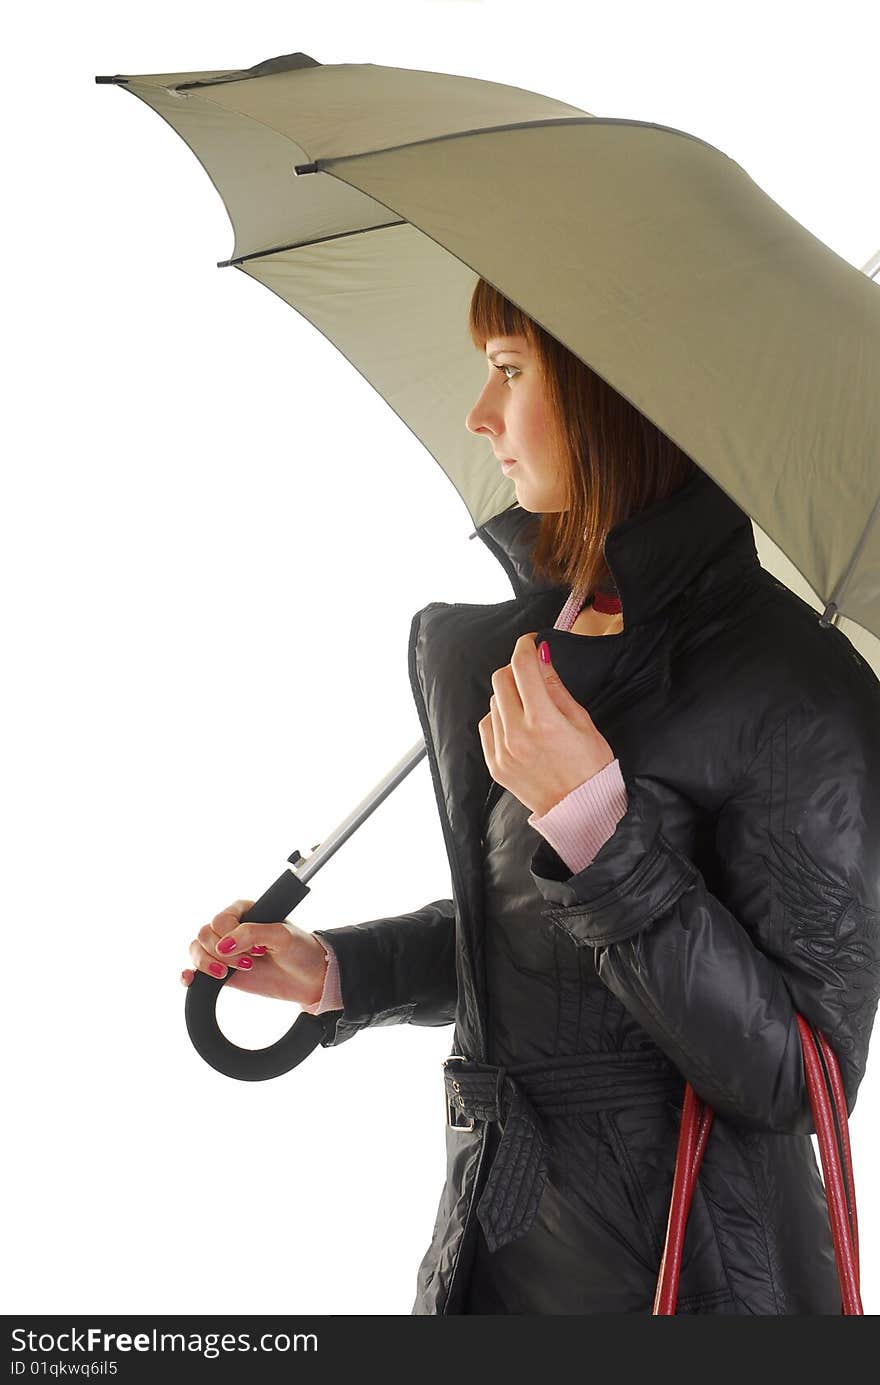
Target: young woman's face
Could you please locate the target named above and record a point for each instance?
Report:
(511, 413)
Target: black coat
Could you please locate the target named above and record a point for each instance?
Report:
(741, 886)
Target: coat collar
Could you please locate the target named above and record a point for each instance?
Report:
(653, 556)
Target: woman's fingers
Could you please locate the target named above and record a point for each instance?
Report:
(226, 944)
(205, 959)
(259, 938)
(203, 951)
(229, 918)
(278, 960)
(209, 956)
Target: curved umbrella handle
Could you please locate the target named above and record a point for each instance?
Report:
(257, 1064)
(251, 1064)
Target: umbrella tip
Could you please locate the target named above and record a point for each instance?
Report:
(830, 614)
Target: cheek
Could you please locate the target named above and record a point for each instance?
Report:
(533, 422)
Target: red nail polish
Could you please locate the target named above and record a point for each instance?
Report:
(245, 963)
(544, 652)
(227, 945)
(258, 949)
(217, 968)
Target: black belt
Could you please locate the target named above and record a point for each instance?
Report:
(515, 1096)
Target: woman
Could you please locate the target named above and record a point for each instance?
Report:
(664, 843)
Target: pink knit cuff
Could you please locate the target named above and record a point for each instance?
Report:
(331, 996)
(580, 824)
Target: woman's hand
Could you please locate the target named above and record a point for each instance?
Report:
(538, 741)
(277, 960)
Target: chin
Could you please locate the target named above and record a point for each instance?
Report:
(533, 504)
(524, 500)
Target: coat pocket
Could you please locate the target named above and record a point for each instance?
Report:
(644, 1140)
(647, 1230)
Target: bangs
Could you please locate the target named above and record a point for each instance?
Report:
(493, 315)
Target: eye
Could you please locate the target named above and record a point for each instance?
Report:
(507, 367)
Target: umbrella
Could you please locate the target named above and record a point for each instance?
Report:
(647, 252)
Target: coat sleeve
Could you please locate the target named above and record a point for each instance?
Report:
(393, 971)
(716, 982)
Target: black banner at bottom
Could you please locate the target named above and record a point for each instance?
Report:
(118, 1349)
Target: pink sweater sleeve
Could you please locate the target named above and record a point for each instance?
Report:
(580, 824)
(331, 996)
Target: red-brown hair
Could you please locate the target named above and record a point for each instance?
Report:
(614, 461)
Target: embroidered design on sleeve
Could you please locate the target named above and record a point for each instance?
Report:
(833, 937)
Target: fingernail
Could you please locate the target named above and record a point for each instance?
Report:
(217, 968)
(227, 945)
(544, 652)
(244, 962)
(258, 949)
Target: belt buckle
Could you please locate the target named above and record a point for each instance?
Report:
(451, 1108)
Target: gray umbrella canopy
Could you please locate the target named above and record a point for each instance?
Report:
(371, 198)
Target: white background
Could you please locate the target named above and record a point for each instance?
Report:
(207, 650)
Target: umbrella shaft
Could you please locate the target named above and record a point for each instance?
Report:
(325, 849)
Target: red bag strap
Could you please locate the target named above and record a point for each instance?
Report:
(822, 1075)
(835, 1080)
(696, 1122)
(815, 1049)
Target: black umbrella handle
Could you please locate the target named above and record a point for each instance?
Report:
(251, 1064)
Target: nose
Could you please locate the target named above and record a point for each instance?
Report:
(484, 417)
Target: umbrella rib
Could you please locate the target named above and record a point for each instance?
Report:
(318, 240)
(332, 160)
(273, 67)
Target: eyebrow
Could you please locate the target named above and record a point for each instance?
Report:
(503, 351)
